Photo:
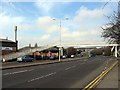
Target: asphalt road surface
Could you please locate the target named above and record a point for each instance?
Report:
(73, 74)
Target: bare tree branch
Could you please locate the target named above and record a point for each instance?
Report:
(111, 32)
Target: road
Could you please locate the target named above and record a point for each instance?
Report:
(73, 74)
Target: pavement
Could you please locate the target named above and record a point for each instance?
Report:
(111, 81)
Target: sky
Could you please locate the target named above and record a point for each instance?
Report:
(39, 21)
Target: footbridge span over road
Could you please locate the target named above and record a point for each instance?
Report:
(115, 47)
(27, 51)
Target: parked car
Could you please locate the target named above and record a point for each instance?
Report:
(25, 59)
(3, 60)
(52, 57)
(63, 56)
(72, 56)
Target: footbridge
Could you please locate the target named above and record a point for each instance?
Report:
(115, 47)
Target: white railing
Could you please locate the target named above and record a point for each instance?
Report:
(88, 45)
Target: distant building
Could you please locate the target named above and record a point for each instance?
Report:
(7, 46)
(53, 51)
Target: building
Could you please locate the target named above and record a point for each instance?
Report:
(7, 46)
(53, 51)
(45, 54)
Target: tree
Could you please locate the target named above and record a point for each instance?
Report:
(71, 51)
(111, 31)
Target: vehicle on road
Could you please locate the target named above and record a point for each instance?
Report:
(25, 59)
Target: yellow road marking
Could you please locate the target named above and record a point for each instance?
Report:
(97, 79)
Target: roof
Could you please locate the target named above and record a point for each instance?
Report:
(53, 48)
(6, 40)
(25, 48)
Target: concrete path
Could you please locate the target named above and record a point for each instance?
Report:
(110, 80)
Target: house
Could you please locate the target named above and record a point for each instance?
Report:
(7, 46)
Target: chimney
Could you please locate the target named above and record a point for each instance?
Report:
(15, 33)
(16, 38)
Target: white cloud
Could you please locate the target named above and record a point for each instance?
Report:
(79, 34)
(66, 33)
(47, 24)
(85, 15)
(44, 6)
(8, 21)
(45, 37)
(86, 25)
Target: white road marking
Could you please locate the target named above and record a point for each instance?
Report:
(67, 68)
(85, 60)
(18, 72)
(83, 63)
(70, 67)
(42, 77)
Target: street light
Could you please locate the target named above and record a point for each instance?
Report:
(60, 37)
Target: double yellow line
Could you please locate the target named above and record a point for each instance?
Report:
(98, 78)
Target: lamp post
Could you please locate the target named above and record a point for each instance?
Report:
(60, 37)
